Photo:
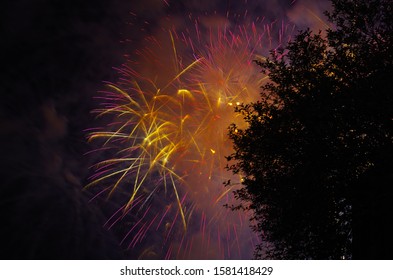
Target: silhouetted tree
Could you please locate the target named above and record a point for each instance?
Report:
(316, 154)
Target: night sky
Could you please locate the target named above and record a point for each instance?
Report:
(55, 57)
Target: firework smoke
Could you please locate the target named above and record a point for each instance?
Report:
(165, 137)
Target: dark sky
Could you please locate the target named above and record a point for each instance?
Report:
(54, 56)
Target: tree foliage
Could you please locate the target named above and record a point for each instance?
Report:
(317, 146)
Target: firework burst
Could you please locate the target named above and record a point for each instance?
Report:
(165, 140)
